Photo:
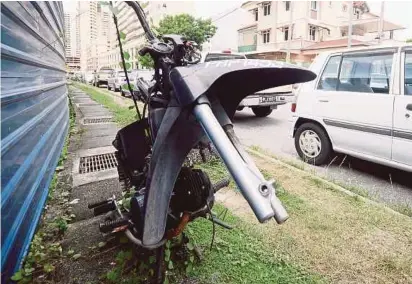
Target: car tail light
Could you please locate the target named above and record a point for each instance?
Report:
(293, 107)
(227, 51)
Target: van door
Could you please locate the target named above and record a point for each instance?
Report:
(402, 117)
(357, 104)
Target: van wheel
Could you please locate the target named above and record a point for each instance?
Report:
(261, 111)
(312, 144)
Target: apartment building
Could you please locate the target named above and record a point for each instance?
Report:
(72, 42)
(129, 24)
(305, 28)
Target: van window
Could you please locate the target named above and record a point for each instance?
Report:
(329, 79)
(222, 56)
(408, 73)
(366, 73)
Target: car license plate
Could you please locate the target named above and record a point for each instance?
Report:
(267, 99)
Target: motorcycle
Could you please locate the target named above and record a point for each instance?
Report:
(188, 105)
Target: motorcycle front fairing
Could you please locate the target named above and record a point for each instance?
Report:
(219, 86)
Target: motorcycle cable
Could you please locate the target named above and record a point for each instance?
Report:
(124, 65)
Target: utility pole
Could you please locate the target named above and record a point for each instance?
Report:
(380, 28)
(350, 24)
(290, 31)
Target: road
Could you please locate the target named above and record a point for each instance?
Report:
(272, 133)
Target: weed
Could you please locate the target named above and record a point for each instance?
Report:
(123, 115)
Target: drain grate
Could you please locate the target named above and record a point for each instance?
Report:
(96, 163)
(97, 120)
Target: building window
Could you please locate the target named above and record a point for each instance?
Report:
(256, 14)
(266, 36)
(314, 5)
(287, 5)
(356, 13)
(266, 9)
(330, 4)
(344, 8)
(286, 33)
(312, 33)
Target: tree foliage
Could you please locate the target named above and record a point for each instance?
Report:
(146, 61)
(409, 40)
(198, 30)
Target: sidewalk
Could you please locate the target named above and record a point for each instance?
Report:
(94, 178)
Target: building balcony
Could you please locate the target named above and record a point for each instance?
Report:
(246, 48)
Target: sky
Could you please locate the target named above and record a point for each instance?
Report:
(398, 12)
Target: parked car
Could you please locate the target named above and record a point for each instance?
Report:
(360, 105)
(89, 78)
(116, 80)
(146, 74)
(263, 102)
(100, 78)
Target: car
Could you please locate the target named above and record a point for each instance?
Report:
(360, 104)
(89, 78)
(262, 103)
(116, 80)
(146, 74)
(100, 78)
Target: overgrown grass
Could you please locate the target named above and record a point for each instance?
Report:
(401, 208)
(122, 115)
(240, 256)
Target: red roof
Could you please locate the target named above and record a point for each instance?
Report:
(334, 43)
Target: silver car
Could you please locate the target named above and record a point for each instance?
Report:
(116, 80)
(147, 75)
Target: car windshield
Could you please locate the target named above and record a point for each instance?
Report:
(122, 74)
(222, 56)
(146, 75)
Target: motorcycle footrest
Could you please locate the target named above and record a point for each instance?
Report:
(99, 203)
(104, 208)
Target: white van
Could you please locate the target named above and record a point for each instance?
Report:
(360, 104)
(263, 102)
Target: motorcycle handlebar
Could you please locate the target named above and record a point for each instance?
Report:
(140, 14)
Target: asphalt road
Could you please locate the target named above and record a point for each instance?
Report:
(272, 133)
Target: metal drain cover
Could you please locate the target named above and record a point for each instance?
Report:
(96, 163)
(97, 120)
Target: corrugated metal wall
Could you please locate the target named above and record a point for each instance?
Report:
(34, 118)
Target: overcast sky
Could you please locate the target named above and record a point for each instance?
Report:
(398, 12)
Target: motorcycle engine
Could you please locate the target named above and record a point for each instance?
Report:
(192, 191)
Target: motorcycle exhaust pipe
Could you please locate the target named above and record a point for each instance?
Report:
(259, 193)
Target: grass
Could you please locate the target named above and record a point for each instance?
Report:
(123, 115)
(401, 208)
(239, 256)
(334, 234)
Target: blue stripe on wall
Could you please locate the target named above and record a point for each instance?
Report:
(34, 119)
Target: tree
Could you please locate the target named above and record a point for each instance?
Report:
(146, 61)
(409, 40)
(198, 30)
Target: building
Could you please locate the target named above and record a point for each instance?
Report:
(72, 42)
(305, 28)
(129, 25)
(87, 14)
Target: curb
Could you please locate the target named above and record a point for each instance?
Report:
(333, 185)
